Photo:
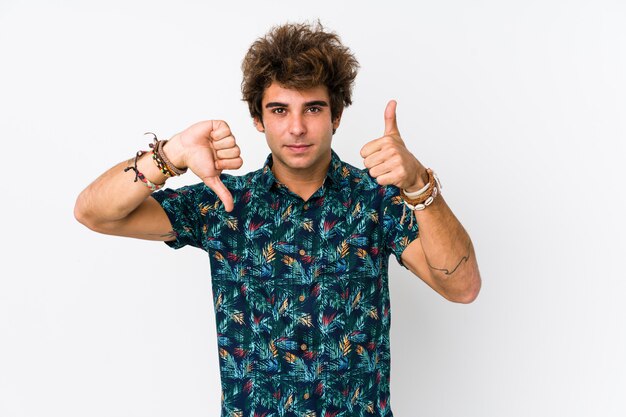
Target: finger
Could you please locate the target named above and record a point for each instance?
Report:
(386, 179)
(391, 124)
(216, 184)
(381, 169)
(228, 153)
(233, 163)
(224, 143)
(220, 131)
(371, 147)
(375, 159)
(202, 129)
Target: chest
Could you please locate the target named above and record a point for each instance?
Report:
(304, 241)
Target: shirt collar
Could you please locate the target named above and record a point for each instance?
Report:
(266, 178)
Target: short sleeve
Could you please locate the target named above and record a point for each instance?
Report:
(400, 229)
(183, 207)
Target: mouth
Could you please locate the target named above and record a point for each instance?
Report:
(297, 148)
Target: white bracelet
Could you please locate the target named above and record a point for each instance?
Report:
(422, 201)
(425, 204)
(417, 193)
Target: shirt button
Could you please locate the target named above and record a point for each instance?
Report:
(302, 252)
(301, 298)
(303, 346)
(306, 206)
(306, 395)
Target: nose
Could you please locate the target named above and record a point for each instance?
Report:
(296, 125)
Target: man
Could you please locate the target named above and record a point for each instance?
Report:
(299, 248)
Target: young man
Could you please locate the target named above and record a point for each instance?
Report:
(298, 249)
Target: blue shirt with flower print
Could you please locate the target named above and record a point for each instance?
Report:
(300, 289)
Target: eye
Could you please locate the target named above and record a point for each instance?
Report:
(278, 110)
(314, 109)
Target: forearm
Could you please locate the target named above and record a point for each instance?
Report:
(117, 192)
(448, 252)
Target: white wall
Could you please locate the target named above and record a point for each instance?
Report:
(518, 105)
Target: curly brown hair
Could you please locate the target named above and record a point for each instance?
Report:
(299, 56)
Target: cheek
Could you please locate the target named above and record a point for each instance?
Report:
(321, 126)
(272, 137)
(274, 127)
(328, 129)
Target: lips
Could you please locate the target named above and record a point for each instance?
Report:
(298, 147)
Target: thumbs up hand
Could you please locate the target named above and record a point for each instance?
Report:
(207, 148)
(388, 159)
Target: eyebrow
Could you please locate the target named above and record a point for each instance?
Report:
(320, 103)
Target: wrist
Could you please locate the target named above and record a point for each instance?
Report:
(174, 152)
(420, 183)
(415, 194)
(146, 170)
(424, 197)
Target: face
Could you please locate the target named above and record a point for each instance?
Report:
(298, 128)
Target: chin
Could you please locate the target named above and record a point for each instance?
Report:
(299, 163)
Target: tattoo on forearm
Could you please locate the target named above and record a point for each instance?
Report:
(450, 272)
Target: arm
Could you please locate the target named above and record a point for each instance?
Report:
(114, 204)
(443, 255)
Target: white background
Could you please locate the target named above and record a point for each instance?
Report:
(518, 105)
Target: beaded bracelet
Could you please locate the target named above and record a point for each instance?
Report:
(160, 159)
(169, 165)
(152, 186)
(138, 175)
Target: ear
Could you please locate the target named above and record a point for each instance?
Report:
(258, 123)
(336, 122)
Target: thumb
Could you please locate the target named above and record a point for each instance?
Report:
(391, 125)
(216, 184)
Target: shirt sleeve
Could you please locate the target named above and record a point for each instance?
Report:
(399, 225)
(183, 207)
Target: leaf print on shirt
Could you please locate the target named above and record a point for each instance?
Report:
(300, 289)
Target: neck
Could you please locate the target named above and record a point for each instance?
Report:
(303, 182)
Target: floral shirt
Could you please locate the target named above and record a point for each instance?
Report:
(300, 289)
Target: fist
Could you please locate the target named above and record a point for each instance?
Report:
(207, 148)
(388, 159)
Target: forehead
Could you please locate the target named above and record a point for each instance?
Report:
(277, 93)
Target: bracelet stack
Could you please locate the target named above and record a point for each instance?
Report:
(423, 198)
(419, 200)
(139, 176)
(162, 162)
